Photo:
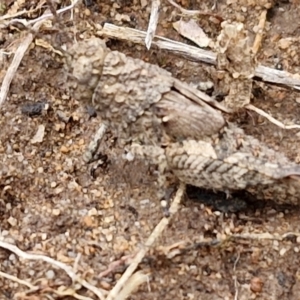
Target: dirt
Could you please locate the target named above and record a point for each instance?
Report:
(52, 203)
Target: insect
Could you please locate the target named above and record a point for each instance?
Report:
(135, 98)
(176, 126)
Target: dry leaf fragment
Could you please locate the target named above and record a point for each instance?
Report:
(192, 31)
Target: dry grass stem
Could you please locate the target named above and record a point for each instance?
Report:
(70, 272)
(236, 284)
(19, 54)
(264, 236)
(194, 12)
(25, 43)
(138, 37)
(117, 290)
(152, 23)
(15, 7)
(47, 15)
(132, 284)
(16, 279)
(270, 118)
(193, 53)
(12, 13)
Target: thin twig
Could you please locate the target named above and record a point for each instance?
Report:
(20, 52)
(132, 284)
(150, 241)
(45, 16)
(12, 69)
(264, 236)
(152, 23)
(16, 5)
(236, 285)
(69, 292)
(20, 281)
(138, 37)
(43, 290)
(17, 14)
(70, 272)
(193, 53)
(270, 118)
(194, 12)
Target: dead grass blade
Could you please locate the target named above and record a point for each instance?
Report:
(152, 23)
(25, 43)
(193, 53)
(70, 272)
(116, 292)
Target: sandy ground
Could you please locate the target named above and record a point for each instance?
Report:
(52, 203)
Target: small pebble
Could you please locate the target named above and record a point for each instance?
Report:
(56, 212)
(64, 149)
(256, 285)
(50, 274)
(12, 221)
(53, 184)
